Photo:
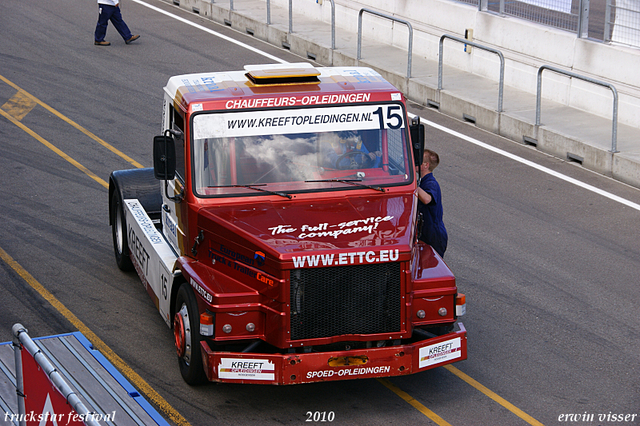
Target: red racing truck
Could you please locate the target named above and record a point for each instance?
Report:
(281, 241)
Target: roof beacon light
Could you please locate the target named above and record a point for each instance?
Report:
(283, 75)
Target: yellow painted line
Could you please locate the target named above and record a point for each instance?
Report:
(494, 396)
(54, 149)
(128, 372)
(74, 124)
(418, 406)
(19, 105)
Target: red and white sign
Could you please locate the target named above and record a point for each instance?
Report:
(44, 404)
(246, 369)
(440, 352)
(306, 120)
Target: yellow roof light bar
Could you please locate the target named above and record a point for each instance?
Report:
(283, 75)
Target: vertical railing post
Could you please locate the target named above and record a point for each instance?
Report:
(583, 19)
(359, 47)
(539, 96)
(607, 22)
(17, 347)
(333, 24)
(268, 12)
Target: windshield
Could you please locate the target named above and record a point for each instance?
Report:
(300, 150)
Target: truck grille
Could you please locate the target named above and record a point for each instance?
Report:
(362, 299)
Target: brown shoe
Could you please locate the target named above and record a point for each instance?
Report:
(102, 43)
(132, 39)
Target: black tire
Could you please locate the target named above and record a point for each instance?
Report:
(189, 353)
(119, 232)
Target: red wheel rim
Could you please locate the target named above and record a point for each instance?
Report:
(178, 333)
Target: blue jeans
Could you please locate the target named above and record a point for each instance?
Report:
(110, 13)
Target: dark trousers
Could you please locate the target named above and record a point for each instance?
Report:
(110, 13)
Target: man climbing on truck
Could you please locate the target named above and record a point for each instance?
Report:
(434, 232)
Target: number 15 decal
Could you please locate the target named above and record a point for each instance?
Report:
(164, 280)
(392, 119)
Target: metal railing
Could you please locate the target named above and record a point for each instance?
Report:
(21, 339)
(614, 131)
(562, 14)
(382, 15)
(333, 18)
(621, 24)
(610, 21)
(333, 25)
(479, 46)
(333, 21)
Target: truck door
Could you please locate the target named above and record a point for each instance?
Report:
(173, 225)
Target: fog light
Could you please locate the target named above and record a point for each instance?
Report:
(251, 327)
(421, 314)
(226, 328)
(442, 312)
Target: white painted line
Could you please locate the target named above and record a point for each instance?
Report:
(534, 165)
(422, 120)
(207, 30)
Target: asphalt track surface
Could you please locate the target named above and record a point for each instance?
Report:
(550, 266)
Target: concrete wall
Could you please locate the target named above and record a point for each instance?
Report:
(525, 45)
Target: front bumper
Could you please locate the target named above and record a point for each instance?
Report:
(289, 369)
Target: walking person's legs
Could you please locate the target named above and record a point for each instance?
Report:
(119, 24)
(104, 14)
(121, 27)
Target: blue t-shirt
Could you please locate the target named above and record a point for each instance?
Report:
(433, 231)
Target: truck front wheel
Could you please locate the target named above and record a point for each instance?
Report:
(119, 231)
(186, 330)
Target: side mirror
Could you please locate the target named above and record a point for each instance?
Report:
(417, 140)
(164, 157)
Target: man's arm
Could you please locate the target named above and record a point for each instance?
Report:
(424, 196)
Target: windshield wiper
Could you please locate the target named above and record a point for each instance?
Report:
(254, 187)
(354, 182)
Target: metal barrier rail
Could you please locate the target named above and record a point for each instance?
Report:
(604, 21)
(333, 20)
(621, 23)
(614, 131)
(333, 25)
(22, 338)
(557, 14)
(382, 15)
(479, 46)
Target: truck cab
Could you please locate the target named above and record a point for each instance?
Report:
(277, 232)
